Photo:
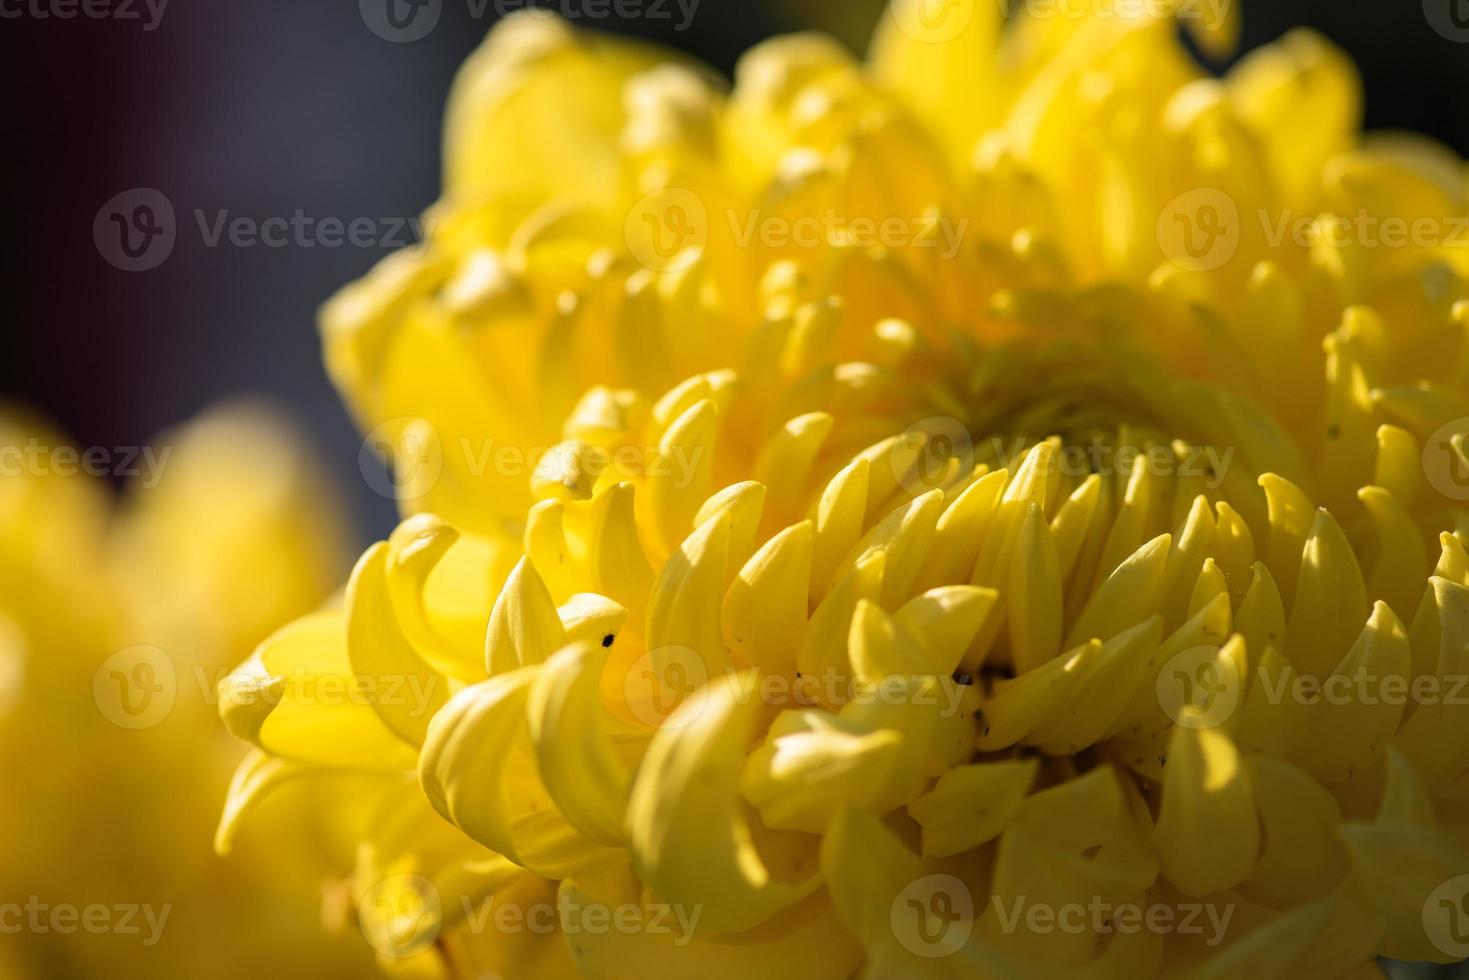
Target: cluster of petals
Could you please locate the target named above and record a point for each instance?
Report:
(852, 509)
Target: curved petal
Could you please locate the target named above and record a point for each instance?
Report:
(478, 768)
(298, 697)
(405, 690)
(690, 839)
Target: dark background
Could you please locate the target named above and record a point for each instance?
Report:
(269, 106)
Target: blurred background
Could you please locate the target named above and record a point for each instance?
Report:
(276, 108)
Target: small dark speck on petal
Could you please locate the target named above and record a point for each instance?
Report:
(607, 640)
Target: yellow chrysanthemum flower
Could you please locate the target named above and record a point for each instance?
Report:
(115, 623)
(962, 514)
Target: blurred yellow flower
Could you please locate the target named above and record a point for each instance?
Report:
(994, 510)
(116, 623)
